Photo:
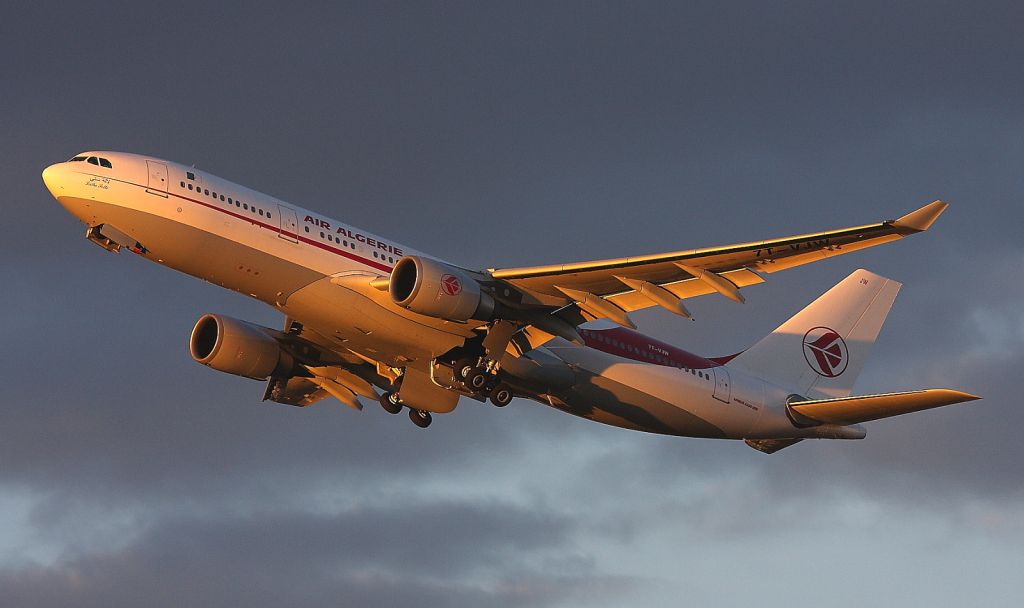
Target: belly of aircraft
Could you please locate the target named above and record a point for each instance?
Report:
(614, 392)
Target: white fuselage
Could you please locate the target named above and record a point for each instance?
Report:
(317, 270)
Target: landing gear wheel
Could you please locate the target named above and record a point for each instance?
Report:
(390, 402)
(464, 367)
(420, 418)
(501, 395)
(477, 380)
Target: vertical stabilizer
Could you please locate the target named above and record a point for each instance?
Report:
(820, 352)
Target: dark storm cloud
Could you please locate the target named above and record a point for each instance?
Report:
(449, 554)
(609, 130)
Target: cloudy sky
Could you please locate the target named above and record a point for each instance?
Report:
(497, 135)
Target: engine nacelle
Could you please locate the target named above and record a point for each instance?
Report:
(435, 289)
(236, 347)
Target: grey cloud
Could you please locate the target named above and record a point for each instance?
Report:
(437, 554)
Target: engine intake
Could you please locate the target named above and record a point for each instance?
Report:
(235, 347)
(435, 289)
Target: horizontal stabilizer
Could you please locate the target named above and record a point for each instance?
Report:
(851, 410)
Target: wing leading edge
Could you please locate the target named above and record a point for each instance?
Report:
(664, 279)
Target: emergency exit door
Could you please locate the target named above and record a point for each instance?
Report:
(157, 183)
(289, 224)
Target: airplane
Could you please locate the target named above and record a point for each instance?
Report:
(368, 318)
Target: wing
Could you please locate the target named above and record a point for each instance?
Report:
(321, 371)
(611, 288)
(296, 391)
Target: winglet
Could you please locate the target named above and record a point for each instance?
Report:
(923, 218)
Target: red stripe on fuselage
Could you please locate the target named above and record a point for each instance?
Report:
(299, 237)
(634, 345)
(276, 229)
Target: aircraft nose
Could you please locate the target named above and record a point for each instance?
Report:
(51, 177)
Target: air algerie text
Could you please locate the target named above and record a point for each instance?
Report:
(355, 236)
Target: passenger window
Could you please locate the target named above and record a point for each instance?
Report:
(221, 197)
(214, 195)
(205, 191)
(190, 186)
(93, 160)
(230, 202)
(307, 228)
(246, 206)
(268, 215)
(105, 163)
(182, 184)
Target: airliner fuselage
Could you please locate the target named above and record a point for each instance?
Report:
(330, 280)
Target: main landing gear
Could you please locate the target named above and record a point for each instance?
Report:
(501, 395)
(420, 418)
(482, 382)
(392, 404)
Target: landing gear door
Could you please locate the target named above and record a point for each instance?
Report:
(289, 224)
(723, 392)
(157, 180)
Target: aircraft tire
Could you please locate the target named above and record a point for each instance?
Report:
(420, 418)
(464, 367)
(389, 401)
(501, 395)
(477, 380)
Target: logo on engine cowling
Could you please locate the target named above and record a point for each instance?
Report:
(451, 285)
(826, 352)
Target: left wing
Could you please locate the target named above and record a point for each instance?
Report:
(612, 288)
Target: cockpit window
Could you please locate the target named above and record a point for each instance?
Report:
(105, 163)
(92, 160)
(76, 159)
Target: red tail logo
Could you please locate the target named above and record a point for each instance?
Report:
(451, 285)
(826, 352)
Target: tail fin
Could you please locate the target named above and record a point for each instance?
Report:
(820, 352)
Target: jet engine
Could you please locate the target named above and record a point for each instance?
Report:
(436, 289)
(236, 347)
